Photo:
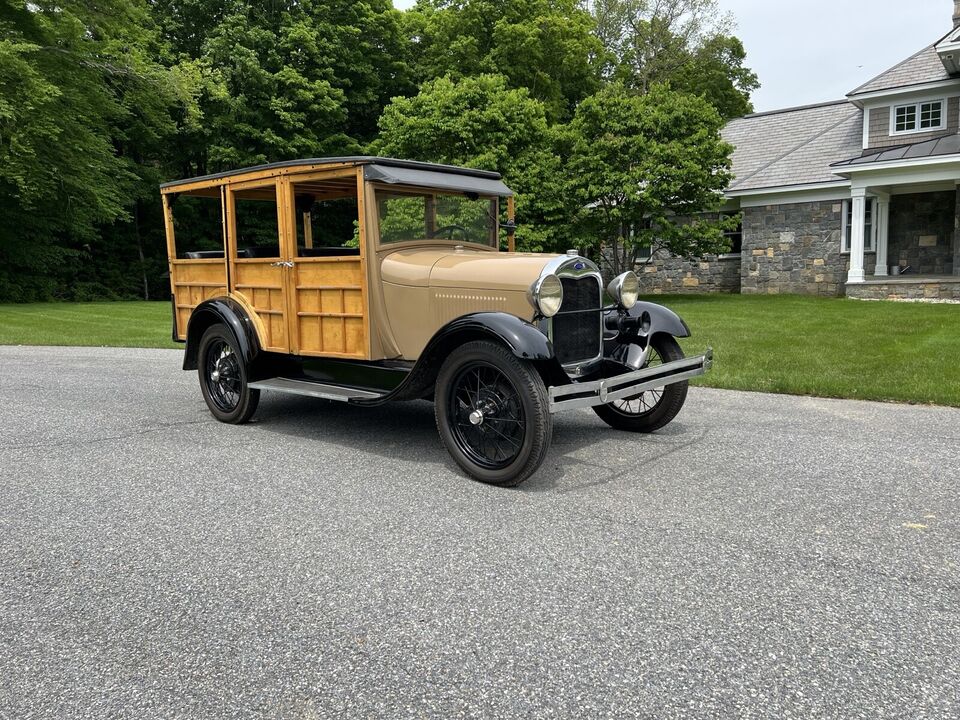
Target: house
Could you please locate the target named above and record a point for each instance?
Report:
(857, 197)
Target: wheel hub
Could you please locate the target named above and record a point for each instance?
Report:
(476, 417)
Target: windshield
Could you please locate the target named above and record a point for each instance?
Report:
(459, 217)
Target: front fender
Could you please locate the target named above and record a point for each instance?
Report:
(523, 339)
(640, 323)
(228, 312)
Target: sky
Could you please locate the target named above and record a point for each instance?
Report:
(810, 51)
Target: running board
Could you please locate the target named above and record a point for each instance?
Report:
(314, 389)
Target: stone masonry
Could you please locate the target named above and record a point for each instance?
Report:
(793, 248)
(667, 274)
(922, 228)
(928, 291)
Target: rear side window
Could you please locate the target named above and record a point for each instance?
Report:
(257, 227)
(197, 225)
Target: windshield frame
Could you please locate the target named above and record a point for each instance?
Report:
(417, 191)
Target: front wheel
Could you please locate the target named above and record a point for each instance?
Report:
(651, 409)
(223, 377)
(493, 413)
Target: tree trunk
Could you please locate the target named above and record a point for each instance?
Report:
(143, 261)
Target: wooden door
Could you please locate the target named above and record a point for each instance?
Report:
(259, 258)
(327, 292)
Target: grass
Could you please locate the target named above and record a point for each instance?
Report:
(828, 347)
(781, 344)
(115, 324)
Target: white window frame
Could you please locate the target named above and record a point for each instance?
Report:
(869, 239)
(944, 110)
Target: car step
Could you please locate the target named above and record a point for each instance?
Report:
(314, 389)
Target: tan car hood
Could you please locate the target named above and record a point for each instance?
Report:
(474, 269)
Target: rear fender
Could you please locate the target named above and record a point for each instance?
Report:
(226, 311)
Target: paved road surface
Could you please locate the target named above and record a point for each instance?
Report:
(763, 557)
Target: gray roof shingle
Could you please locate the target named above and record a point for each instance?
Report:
(794, 146)
(922, 67)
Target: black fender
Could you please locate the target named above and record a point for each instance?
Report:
(523, 339)
(228, 312)
(640, 323)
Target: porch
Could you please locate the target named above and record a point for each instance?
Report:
(901, 228)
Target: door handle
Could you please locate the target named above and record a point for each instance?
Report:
(282, 263)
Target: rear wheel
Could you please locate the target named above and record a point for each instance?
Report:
(223, 377)
(651, 409)
(493, 413)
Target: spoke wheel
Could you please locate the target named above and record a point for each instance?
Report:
(647, 400)
(487, 416)
(223, 377)
(492, 413)
(651, 409)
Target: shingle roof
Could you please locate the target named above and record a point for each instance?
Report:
(945, 145)
(922, 67)
(794, 146)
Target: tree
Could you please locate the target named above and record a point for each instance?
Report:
(545, 46)
(481, 122)
(683, 42)
(79, 87)
(641, 171)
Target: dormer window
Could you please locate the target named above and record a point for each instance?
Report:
(924, 116)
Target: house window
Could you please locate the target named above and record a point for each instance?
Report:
(734, 238)
(868, 230)
(918, 117)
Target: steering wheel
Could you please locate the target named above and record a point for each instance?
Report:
(450, 230)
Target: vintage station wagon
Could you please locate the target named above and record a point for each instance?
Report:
(371, 280)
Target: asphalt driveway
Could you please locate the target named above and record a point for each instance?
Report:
(764, 556)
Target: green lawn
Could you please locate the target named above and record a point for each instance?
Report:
(827, 347)
(117, 324)
(782, 344)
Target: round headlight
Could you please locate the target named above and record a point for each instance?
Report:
(546, 295)
(625, 289)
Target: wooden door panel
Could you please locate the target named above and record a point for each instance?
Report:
(261, 285)
(329, 298)
(194, 281)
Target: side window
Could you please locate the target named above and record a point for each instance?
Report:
(327, 226)
(257, 230)
(868, 236)
(197, 225)
(734, 237)
(402, 217)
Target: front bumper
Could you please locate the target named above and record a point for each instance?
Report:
(601, 392)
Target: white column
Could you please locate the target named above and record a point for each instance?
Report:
(883, 233)
(858, 199)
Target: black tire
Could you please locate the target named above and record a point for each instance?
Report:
(652, 409)
(223, 377)
(509, 433)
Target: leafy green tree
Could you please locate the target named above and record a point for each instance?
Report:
(640, 171)
(545, 46)
(79, 89)
(481, 122)
(687, 43)
(285, 78)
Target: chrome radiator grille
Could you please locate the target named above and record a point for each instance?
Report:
(577, 327)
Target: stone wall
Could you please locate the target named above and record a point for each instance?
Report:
(793, 248)
(932, 291)
(922, 227)
(667, 274)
